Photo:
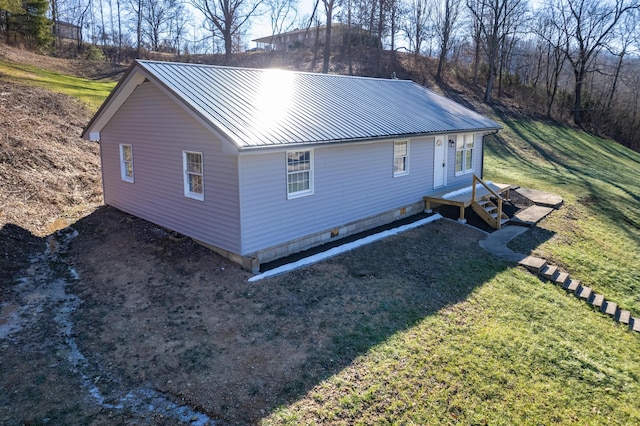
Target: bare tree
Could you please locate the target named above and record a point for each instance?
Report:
(228, 17)
(495, 19)
(587, 26)
(282, 14)
(445, 18)
(416, 23)
(552, 55)
(328, 10)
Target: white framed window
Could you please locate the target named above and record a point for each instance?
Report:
(400, 158)
(193, 175)
(126, 162)
(464, 153)
(299, 173)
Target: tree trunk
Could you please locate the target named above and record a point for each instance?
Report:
(577, 105)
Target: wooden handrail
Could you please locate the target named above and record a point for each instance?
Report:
(495, 194)
(498, 218)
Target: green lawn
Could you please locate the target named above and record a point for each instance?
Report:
(516, 350)
(91, 92)
(596, 235)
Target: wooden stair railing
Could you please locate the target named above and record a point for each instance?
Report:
(485, 208)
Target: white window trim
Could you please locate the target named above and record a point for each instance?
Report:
(187, 191)
(406, 163)
(464, 154)
(306, 192)
(123, 164)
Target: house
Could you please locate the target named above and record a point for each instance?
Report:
(259, 164)
(307, 36)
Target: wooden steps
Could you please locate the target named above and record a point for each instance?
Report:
(562, 279)
(490, 213)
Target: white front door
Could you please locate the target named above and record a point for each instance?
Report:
(439, 163)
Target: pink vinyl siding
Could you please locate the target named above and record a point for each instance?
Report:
(159, 131)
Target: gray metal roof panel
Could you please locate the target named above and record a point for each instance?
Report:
(256, 107)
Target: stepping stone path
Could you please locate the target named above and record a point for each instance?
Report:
(553, 274)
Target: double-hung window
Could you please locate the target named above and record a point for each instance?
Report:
(126, 162)
(299, 173)
(193, 175)
(464, 154)
(400, 158)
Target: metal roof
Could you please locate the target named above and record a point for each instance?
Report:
(266, 107)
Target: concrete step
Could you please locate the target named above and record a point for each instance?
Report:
(583, 292)
(609, 308)
(596, 300)
(634, 324)
(533, 214)
(623, 316)
(549, 271)
(560, 278)
(571, 285)
(532, 263)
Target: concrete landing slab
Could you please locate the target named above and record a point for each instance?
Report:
(532, 263)
(532, 215)
(541, 198)
(634, 324)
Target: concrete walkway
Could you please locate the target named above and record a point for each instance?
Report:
(496, 242)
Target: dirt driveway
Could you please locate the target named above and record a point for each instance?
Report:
(114, 321)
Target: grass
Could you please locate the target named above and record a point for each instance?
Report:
(91, 92)
(517, 351)
(484, 342)
(514, 352)
(596, 236)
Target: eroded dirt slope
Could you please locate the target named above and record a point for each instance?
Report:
(47, 172)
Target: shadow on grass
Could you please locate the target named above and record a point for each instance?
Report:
(171, 315)
(580, 161)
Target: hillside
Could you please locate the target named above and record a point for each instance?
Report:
(127, 324)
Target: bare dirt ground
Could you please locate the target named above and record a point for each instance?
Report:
(107, 319)
(116, 315)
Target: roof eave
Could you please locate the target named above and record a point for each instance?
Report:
(280, 146)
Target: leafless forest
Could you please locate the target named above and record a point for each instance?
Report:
(571, 61)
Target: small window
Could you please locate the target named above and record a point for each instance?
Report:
(193, 175)
(400, 158)
(299, 173)
(126, 162)
(464, 154)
